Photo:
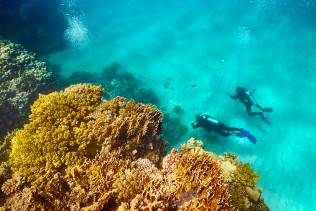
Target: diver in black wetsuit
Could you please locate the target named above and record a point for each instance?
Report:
(244, 96)
(210, 124)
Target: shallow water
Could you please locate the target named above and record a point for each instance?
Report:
(217, 45)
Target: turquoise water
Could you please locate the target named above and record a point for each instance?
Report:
(217, 45)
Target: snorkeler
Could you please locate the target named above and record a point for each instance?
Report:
(244, 96)
(210, 124)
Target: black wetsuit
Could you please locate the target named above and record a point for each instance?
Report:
(206, 122)
(245, 97)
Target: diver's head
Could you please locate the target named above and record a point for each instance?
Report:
(198, 118)
(240, 90)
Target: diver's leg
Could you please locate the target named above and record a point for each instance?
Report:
(258, 106)
(223, 133)
(264, 109)
(235, 129)
(262, 117)
(222, 129)
(250, 113)
(248, 109)
(232, 130)
(266, 121)
(221, 126)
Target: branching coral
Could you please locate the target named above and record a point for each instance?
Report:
(92, 183)
(240, 178)
(130, 128)
(187, 181)
(22, 77)
(201, 175)
(134, 180)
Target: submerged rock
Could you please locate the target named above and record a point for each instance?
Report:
(81, 152)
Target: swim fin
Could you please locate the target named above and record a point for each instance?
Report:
(246, 134)
(266, 121)
(268, 109)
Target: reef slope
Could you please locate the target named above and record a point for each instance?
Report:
(79, 152)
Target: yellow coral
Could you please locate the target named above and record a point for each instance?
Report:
(57, 135)
(241, 180)
(246, 175)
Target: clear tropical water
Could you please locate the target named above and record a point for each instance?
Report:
(216, 45)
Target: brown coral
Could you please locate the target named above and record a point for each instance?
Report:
(134, 180)
(187, 182)
(131, 129)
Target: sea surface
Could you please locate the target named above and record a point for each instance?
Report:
(203, 49)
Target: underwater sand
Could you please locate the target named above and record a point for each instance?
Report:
(217, 45)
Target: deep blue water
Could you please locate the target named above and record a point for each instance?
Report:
(216, 45)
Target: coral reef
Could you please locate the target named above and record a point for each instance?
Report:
(38, 25)
(79, 152)
(129, 128)
(22, 77)
(118, 82)
(69, 127)
(240, 178)
(121, 83)
(189, 182)
(242, 183)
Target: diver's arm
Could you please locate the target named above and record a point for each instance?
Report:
(195, 125)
